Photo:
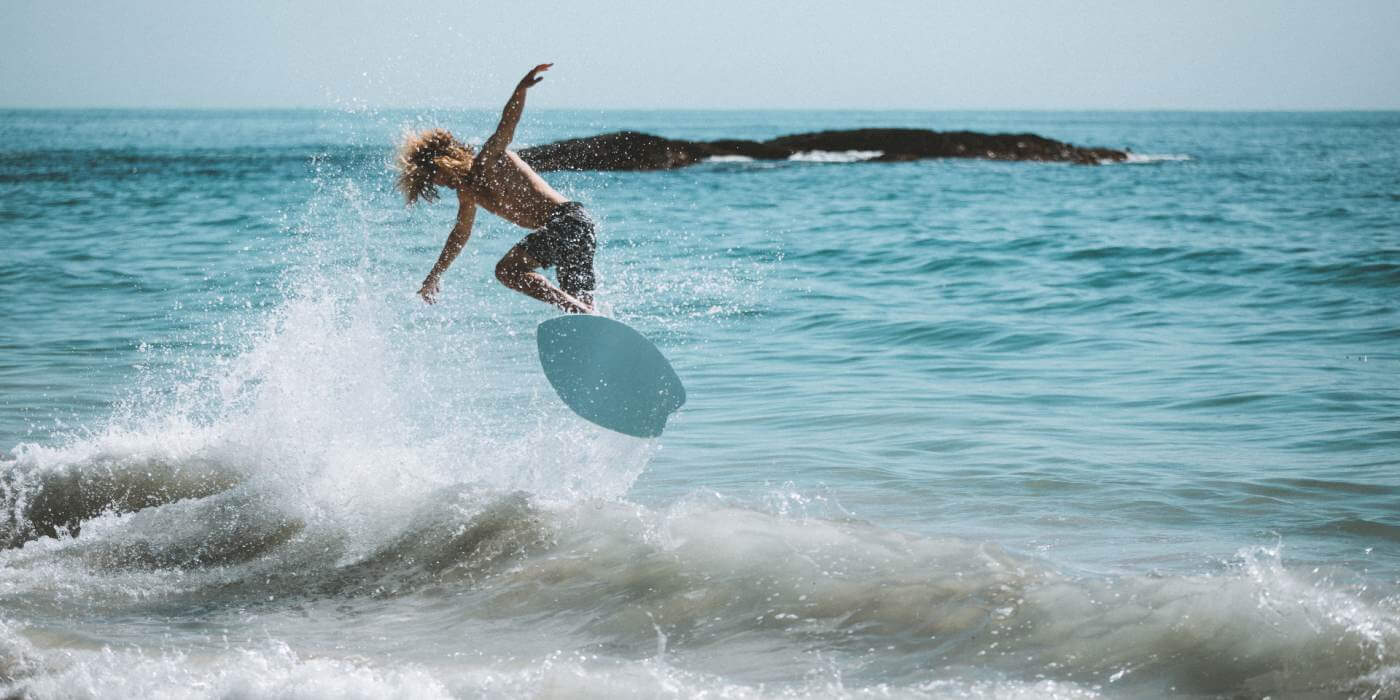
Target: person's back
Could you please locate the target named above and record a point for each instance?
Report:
(509, 188)
(503, 184)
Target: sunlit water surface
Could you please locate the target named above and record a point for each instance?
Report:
(955, 428)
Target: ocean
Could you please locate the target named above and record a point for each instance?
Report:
(955, 428)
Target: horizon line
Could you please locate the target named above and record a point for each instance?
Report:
(422, 108)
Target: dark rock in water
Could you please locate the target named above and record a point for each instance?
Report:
(622, 150)
(631, 150)
(916, 144)
(766, 150)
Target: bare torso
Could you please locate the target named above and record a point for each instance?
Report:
(509, 188)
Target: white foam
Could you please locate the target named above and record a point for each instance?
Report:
(729, 159)
(1139, 158)
(269, 671)
(835, 156)
(619, 576)
(273, 670)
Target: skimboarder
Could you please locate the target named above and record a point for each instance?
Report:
(497, 180)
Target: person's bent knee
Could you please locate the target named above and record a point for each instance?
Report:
(507, 272)
(512, 271)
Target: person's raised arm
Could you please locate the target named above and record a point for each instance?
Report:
(510, 116)
(456, 241)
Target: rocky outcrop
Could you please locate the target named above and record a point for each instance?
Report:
(631, 150)
(917, 144)
(623, 150)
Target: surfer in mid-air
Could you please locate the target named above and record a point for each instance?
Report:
(497, 180)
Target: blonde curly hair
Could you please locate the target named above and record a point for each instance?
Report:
(423, 156)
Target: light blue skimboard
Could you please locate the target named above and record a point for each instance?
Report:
(609, 374)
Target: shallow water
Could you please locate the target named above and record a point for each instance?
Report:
(954, 429)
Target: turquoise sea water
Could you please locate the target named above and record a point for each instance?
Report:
(954, 428)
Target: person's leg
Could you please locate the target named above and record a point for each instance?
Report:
(578, 244)
(576, 280)
(519, 271)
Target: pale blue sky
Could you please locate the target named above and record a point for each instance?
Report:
(1124, 54)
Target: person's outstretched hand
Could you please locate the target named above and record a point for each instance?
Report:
(534, 75)
(429, 290)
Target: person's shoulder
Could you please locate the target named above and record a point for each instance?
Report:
(493, 155)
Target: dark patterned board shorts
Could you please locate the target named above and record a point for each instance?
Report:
(566, 243)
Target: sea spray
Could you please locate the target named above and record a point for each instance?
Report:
(334, 407)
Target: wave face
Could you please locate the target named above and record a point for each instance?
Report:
(605, 597)
(972, 429)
